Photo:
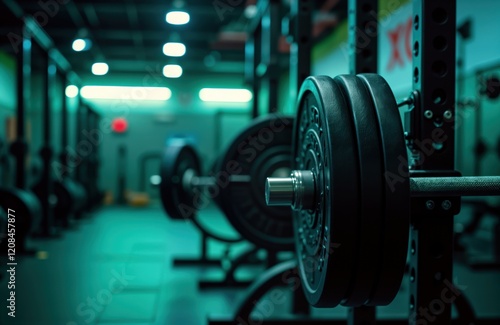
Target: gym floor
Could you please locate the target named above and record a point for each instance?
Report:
(116, 268)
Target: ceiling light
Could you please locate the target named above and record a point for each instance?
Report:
(100, 68)
(177, 18)
(225, 95)
(172, 71)
(174, 49)
(126, 93)
(71, 91)
(79, 45)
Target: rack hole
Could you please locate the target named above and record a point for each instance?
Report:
(439, 15)
(439, 96)
(439, 68)
(415, 48)
(415, 74)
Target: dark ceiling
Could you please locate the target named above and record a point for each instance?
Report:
(129, 34)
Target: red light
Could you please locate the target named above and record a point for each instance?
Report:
(119, 125)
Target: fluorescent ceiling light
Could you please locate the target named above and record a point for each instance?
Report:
(71, 91)
(100, 68)
(174, 49)
(225, 95)
(172, 71)
(177, 18)
(79, 45)
(126, 93)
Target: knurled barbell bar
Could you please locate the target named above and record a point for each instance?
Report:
(350, 189)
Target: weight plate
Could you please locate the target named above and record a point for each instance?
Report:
(178, 201)
(324, 141)
(261, 150)
(396, 192)
(27, 209)
(370, 170)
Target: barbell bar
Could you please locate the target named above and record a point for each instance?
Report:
(298, 191)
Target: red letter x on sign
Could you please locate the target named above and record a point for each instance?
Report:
(396, 55)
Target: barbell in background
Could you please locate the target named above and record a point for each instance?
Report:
(351, 194)
(237, 185)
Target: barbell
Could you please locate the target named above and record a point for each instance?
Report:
(263, 148)
(350, 190)
(298, 191)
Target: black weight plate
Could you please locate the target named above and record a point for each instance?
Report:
(263, 149)
(325, 142)
(178, 157)
(370, 170)
(395, 190)
(27, 209)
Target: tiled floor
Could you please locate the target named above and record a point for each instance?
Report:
(116, 268)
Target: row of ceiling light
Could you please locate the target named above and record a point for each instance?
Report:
(156, 93)
(171, 49)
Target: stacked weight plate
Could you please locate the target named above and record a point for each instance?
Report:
(352, 245)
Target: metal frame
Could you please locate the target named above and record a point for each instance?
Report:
(63, 158)
(28, 32)
(19, 147)
(363, 36)
(46, 181)
(431, 238)
(300, 20)
(263, 58)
